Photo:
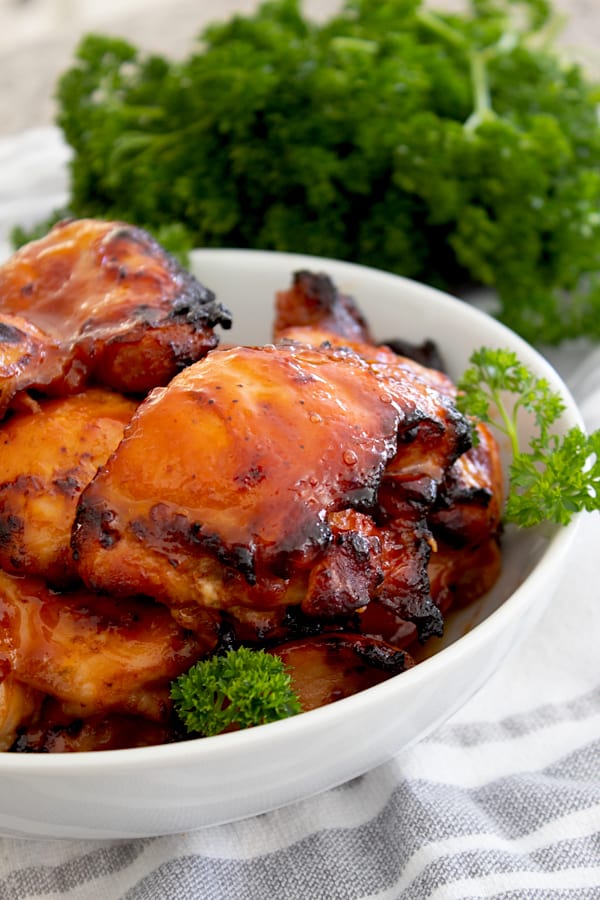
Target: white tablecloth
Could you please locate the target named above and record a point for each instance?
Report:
(502, 801)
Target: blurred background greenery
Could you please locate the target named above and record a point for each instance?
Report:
(38, 38)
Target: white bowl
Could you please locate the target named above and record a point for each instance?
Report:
(167, 789)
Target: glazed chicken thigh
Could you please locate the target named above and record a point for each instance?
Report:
(89, 654)
(99, 302)
(47, 457)
(272, 493)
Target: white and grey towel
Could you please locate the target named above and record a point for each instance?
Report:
(503, 801)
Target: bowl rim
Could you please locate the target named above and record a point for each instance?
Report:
(199, 750)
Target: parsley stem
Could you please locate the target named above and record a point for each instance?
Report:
(354, 43)
(441, 28)
(510, 422)
(482, 102)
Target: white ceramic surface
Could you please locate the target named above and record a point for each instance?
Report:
(160, 790)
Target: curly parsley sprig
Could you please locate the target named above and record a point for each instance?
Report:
(559, 474)
(242, 688)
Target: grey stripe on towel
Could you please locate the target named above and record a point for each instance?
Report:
(352, 863)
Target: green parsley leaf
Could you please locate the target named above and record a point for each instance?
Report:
(240, 689)
(559, 474)
(557, 483)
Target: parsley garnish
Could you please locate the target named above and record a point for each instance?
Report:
(558, 475)
(242, 688)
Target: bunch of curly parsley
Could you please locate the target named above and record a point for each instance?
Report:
(454, 149)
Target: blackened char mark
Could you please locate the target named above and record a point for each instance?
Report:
(321, 303)
(94, 521)
(381, 656)
(9, 334)
(194, 303)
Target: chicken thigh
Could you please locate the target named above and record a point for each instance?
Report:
(105, 304)
(269, 494)
(89, 654)
(47, 457)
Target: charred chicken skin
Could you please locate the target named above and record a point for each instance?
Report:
(468, 508)
(315, 664)
(105, 304)
(463, 518)
(54, 732)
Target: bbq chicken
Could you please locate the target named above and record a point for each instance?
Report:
(297, 479)
(99, 302)
(47, 457)
(86, 656)
(302, 479)
(163, 498)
